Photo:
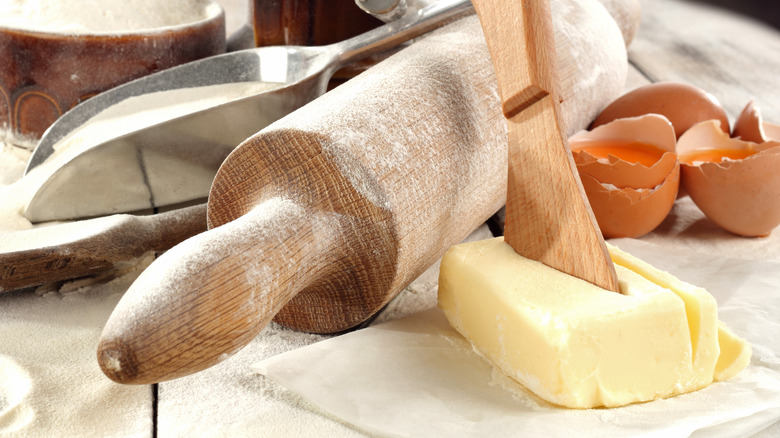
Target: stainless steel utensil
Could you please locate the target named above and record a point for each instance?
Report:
(204, 138)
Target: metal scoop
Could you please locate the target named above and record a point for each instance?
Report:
(137, 165)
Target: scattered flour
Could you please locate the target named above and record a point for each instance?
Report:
(64, 391)
(103, 16)
(13, 159)
(49, 378)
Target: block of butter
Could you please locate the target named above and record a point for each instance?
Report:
(576, 345)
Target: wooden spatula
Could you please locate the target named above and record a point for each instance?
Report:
(548, 217)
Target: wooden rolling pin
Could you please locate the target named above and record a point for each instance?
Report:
(319, 220)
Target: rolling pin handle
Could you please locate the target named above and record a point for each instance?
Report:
(157, 334)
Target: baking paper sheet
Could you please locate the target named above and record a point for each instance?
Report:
(416, 376)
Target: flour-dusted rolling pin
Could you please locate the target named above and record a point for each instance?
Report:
(322, 218)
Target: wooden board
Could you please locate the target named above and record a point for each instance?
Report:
(736, 59)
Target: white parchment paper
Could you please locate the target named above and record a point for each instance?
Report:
(416, 376)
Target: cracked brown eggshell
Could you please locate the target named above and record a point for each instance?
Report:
(628, 199)
(740, 195)
(683, 104)
(750, 126)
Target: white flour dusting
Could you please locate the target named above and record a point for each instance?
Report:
(151, 109)
(48, 374)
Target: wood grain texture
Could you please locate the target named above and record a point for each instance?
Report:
(734, 58)
(511, 30)
(323, 217)
(71, 250)
(319, 220)
(548, 217)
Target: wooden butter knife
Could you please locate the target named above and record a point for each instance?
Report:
(548, 217)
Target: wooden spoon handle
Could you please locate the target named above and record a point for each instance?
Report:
(66, 251)
(239, 275)
(548, 217)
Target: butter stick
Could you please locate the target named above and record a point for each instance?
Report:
(576, 345)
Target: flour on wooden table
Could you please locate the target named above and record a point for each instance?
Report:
(49, 377)
(51, 337)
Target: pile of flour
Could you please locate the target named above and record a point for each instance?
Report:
(103, 16)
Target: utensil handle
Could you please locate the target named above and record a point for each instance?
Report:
(404, 29)
(522, 44)
(50, 254)
(256, 263)
(548, 217)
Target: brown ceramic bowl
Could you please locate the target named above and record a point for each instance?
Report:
(44, 74)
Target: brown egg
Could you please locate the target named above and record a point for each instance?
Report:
(683, 104)
(629, 172)
(751, 127)
(736, 183)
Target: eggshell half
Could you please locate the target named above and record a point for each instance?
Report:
(628, 199)
(708, 135)
(751, 127)
(651, 129)
(683, 104)
(742, 196)
(628, 212)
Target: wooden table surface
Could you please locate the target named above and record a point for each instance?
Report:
(735, 58)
